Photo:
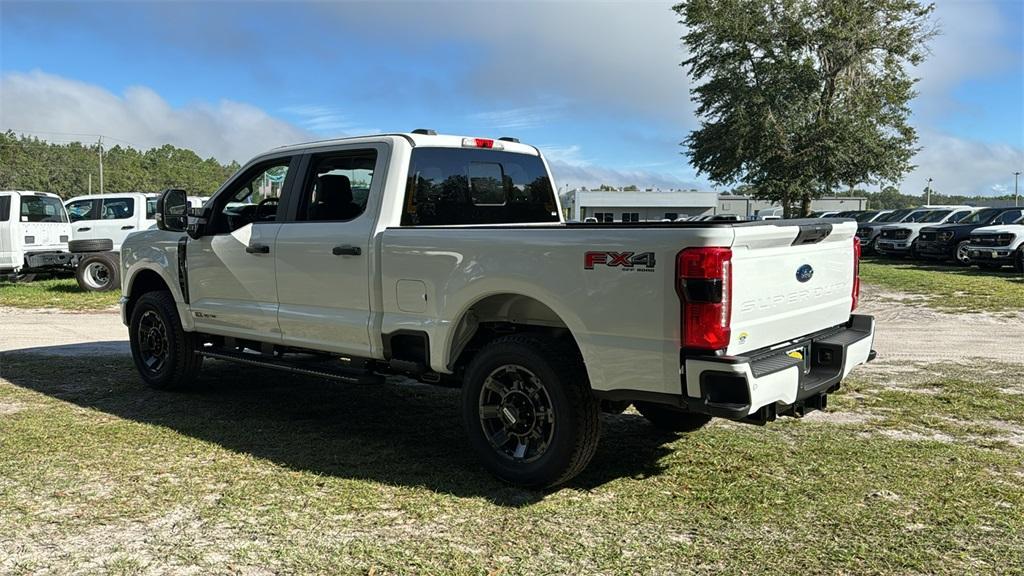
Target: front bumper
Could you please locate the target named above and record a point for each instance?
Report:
(936, 249)
(990, 254)
(893, 246)
(770, 382)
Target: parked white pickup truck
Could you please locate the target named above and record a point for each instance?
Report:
(445, 258)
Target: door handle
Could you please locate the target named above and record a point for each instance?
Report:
(347, 251)
(258, 249)
(84, 229)
(129, 227)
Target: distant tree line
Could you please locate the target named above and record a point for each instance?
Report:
(28, 163)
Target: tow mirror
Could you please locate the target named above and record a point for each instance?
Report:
(172, 210)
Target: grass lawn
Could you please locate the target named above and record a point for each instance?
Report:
(917, 471)
(949, 288)
(62, 293)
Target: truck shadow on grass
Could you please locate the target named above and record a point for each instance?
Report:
(400, 433)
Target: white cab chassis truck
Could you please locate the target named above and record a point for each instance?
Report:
(445, 259)
(34, 234)
(100, 223)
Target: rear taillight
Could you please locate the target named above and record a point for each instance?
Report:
(704, 284)
(856, 274)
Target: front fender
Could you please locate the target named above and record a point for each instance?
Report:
(155, 251)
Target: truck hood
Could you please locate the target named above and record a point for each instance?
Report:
(1001, 229)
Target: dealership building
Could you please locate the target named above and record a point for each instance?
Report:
(658, 205)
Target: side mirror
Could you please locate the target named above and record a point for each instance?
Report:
(172, 211)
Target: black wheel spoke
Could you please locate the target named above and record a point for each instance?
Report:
(516, 413)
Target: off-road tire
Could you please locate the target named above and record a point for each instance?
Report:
(99, 272)
(576, 412)
(92, 245)
(671, 419)
(1018, 262)
(182, 364)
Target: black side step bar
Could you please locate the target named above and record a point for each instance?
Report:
(340, 374)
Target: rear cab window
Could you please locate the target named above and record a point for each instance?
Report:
(42, 209)
(460, 186)
(5, 208)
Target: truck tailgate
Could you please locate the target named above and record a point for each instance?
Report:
(783, 290)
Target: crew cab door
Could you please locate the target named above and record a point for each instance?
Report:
(231, 268)
(84, 214)
(323, 251)
(118, 217)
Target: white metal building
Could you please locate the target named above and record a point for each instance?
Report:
(658, 205)
(642, 206)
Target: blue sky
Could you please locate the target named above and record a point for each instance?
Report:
(596, 85)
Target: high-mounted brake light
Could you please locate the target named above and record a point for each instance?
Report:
(856, 274)
(704, 284)
(481, 143)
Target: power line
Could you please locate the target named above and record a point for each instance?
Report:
(75, 134)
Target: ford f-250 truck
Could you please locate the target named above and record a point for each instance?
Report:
(446, 259)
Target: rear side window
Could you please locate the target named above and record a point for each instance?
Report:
(452, 186)
(5, 208)
(42, 209)
(117, 208)
(151, 208)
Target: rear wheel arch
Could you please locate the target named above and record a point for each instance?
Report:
(497, 315)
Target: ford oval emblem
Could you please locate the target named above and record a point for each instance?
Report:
(804, 273)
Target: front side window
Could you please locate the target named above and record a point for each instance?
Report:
(42, 209)
(959, 216)
(338, 186)
(980, 217)
(117, 208)
(151, 208)
(255, 198)
(918, 216)
(82, 210)
(452, 186)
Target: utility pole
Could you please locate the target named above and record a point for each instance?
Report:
(928, 191)
(1016, 190)
(101, 164)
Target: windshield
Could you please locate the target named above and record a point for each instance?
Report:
(42, 209)
(980, 217)
(896, 216)
(915, 216)
(865, 216)
(935, 216)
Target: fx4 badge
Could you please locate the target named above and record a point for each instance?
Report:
(624, 260)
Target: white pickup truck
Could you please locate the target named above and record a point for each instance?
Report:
(445, 258)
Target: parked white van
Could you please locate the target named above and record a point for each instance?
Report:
(34, 233)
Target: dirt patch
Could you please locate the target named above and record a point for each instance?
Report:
(841, 418)
(906, 333)
(8, 408)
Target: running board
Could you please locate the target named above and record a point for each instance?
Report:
(347, 376)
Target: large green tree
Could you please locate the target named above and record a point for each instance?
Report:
(32, 164)
(800, 97)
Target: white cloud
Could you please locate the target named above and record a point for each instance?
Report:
(53, 105)
(516, 118)
(57, 108)
(589, 176)
(959, 166)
